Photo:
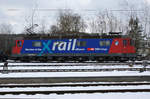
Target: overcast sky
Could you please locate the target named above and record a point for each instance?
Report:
(17, 12)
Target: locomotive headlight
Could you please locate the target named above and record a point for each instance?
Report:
(116, 43)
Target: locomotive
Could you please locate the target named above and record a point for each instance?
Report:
(85, 48)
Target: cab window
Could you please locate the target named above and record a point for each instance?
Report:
(36, 44)
(19, 43)
(124, 42)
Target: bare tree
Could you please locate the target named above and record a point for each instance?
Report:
(70, 22)
(92, 25)
(101, 22)
(98, 23)
(135, 31)
(6, 29)
(130, 10)
(105, 22)
(53, 29)
(112, 22)
(145, 18)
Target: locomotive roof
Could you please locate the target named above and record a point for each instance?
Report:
(67, 36)
(61, 36)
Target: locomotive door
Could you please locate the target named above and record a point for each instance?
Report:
(125, 45)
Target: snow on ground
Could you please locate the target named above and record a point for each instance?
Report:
(75, 88)
(59, 66)
(74, 74)
(59, 63)
(15, 66)
(47, 63)
(72, 67)
(139, 95)
(71, 74)
(68, 83)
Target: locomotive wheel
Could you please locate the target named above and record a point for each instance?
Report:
(24, 59)
(80, 59)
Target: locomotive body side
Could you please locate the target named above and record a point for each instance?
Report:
(74, 49)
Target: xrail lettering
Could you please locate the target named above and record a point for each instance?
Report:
(63, 46)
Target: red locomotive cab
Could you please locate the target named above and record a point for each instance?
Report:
(18, 46)
(122, 46)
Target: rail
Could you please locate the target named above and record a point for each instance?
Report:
(76, 88)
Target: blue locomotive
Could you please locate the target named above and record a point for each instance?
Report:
(98, 49)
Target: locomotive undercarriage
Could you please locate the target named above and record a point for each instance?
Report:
(77, 58)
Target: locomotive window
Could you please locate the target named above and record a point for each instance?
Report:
(19, 43)
(104, 43)
(36, 44)
(101, 43)
(125, 42)
(107, 43)
(81, 43)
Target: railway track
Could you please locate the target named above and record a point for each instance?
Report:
(61, 64)
(15, 64)
(73, 91)
(74, 79)
(74, 88)
(74, 70)
(73, 84)
(17, 85)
